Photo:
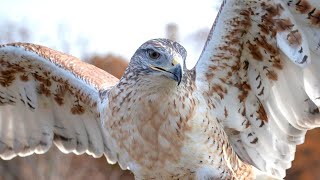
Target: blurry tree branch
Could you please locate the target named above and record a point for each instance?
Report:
(172, 32)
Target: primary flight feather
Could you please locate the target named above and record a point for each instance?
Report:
(238, 114)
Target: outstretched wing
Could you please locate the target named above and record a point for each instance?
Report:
(260, 71)
(47, 96)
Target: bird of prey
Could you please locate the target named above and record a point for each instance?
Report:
(238, 114)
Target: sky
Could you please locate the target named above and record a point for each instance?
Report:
(118, 27)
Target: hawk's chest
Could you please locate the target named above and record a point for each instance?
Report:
(150, 129)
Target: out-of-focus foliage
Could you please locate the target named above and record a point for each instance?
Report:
(56, 165)
(172, 32)
(58, 39)
(11, 32)
(198, 38)
(306, 165)
(115, 65)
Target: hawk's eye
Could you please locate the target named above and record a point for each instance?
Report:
(153, 54)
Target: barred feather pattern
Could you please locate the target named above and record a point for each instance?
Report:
(258, 69)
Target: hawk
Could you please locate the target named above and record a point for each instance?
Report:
(238, 114)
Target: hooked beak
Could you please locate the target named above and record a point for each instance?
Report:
(175, 72)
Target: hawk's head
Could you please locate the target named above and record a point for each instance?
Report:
(160, 58)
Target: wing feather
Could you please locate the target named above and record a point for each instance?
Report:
(47, 96)
(260, 68)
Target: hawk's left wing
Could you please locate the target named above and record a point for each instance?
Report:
(260, 72)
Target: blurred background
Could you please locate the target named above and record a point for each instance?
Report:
(106, 34)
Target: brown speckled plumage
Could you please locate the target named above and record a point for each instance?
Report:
(238, 114)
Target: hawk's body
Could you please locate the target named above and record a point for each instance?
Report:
(155, 127)
(246, 104)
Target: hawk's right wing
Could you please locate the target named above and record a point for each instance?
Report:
(47, 96)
